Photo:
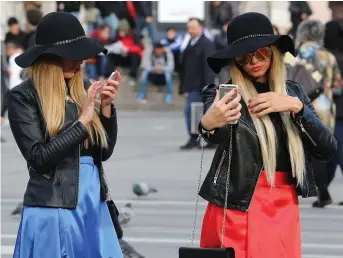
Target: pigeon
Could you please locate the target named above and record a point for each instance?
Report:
(125, 214)
(18, 209)
(128, 250)
(143, 189)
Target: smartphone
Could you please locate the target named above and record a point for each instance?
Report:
(224, 89)
(112, 77)
(103, 83)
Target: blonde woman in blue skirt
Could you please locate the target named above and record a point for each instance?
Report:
(64, 128)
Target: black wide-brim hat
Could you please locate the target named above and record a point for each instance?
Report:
(245, 34)
(60, 34)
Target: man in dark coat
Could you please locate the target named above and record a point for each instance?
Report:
(334, 42)
(33, 16)
(195, 73)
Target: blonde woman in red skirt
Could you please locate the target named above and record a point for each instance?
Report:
(276, 134)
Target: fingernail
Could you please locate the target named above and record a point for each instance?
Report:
(251, 110)
(249, 100)
(257, 115)
(235, 90)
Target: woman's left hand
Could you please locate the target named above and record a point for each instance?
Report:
(109, 91)
(269, 102)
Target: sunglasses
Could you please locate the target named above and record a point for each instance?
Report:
(261, 54)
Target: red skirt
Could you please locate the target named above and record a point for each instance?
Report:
(270, 229)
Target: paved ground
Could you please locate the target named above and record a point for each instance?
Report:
(147, 151)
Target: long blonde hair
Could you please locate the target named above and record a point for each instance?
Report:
(265, 128)
(49, 82)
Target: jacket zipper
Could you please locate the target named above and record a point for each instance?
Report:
(248, 126)
(43, 175)
(77, 161)
(219, 168)
(223, 156)
(60, 179)
(78, 172)
(304, 131)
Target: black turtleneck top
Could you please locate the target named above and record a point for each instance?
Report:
(283, 162)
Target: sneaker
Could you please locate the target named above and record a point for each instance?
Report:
(169, 98)
(141, 99)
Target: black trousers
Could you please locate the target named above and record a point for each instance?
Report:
(4, 102)
(325, 172)
(131, 61)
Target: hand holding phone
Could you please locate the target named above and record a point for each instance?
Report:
(225, 110)
(113, 77)
(224, 89)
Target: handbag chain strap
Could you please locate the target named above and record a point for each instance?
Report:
(108, 195)
(226, 190)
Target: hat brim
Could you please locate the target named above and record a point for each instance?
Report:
(221, 58)
(80, 50)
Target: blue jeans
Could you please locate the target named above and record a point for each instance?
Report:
(113, 22)
(141, 24)
(92, 69)
(148, 75)
(191, 97)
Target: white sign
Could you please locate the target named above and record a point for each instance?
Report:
(174, 12)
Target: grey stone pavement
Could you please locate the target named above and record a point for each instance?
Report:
(147, 150)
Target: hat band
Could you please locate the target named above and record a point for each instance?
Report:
(63, 42)
(250, 36)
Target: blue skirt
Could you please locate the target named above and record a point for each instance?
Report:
(85, 232)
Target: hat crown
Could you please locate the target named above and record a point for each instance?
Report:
(58, 27)
(248, 25)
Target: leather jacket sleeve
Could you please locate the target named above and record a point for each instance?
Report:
(26, 127)
(220, 134)
(111, 127)
(317, 138)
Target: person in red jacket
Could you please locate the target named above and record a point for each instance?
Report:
(126, 51)
(99, 68)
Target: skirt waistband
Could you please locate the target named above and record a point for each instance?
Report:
(281, 178)
(86, 160)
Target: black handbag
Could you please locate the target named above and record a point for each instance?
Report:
(222, 252)
(114, 216)
(112, 208)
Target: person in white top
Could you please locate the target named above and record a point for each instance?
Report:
(14, 71)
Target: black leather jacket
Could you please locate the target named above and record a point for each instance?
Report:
(246, 155)
(53, 162)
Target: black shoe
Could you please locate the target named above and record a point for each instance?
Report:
(321, 204)
(324, 199)
(18, 210)
(340, 203)
(191, 144)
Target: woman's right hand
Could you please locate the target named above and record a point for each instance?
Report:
(88, 108)
(223, 111)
